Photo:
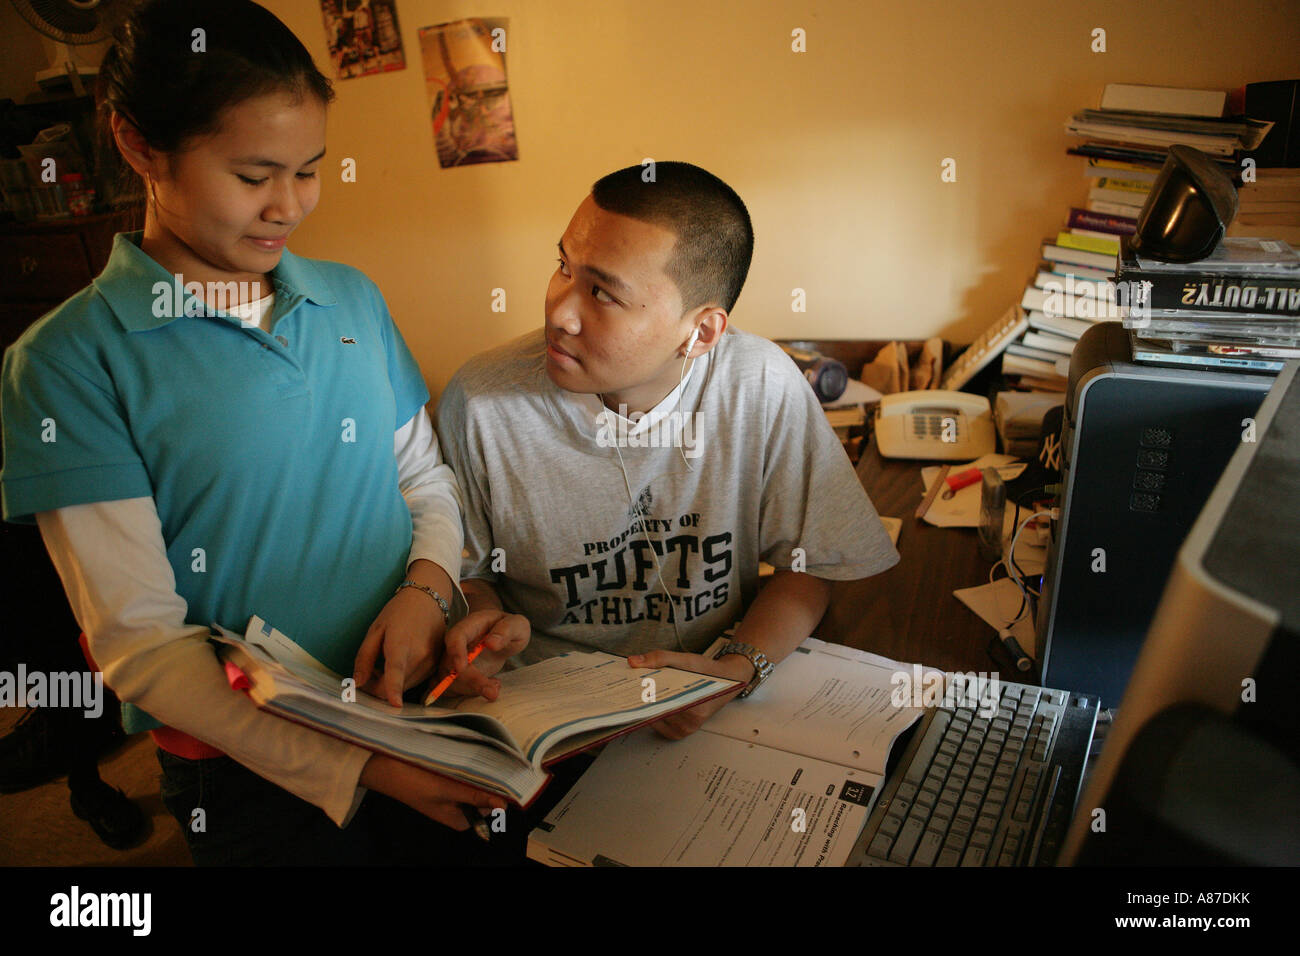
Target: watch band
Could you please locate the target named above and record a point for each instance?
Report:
(762, 666)
(446, 610)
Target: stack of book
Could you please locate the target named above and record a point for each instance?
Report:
(1269, 205)
(1138, 124)
(1239, 308)
(1124, 146)
(1069, 291)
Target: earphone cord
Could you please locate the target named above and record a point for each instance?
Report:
(681, 394)
(672, 610)
(627, 483)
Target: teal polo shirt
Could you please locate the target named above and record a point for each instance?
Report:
(269, 454)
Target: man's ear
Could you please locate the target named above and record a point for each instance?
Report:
(712, 323)
(131, 143)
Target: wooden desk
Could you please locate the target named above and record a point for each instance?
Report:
(909, 613)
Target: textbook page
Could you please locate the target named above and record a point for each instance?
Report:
(829, 702)
(705, 801)
(576, 699)
(557, 698)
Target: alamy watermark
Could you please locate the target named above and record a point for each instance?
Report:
(674, 430)
(77, 909)
(178, 298)
(79, 690)
(1097, 299)
(981, 692)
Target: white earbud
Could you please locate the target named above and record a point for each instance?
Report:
(691, 344)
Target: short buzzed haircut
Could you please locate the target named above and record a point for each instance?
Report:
(715, 239)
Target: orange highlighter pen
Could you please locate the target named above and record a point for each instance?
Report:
(450, 679)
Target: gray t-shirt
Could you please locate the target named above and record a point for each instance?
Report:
(743, 467)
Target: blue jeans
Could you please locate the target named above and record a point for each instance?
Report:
(249, 821)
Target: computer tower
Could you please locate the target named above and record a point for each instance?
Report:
(1202, 764)
(1141, 448)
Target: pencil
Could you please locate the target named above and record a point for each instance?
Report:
(450, 679)
(479, 826)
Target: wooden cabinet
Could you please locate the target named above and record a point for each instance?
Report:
(44, 262)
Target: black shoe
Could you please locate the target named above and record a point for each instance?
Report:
(35, 752)
(114, 818)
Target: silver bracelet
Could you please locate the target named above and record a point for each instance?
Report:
(446, 611)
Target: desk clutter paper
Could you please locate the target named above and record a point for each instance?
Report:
(962, 510)
(1001, 602)
(892, 528)
(786, 777)
(997, 604)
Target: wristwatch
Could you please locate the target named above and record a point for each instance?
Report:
(762, 666)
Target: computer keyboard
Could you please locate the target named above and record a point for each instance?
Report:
(991, 343)
(979, 791)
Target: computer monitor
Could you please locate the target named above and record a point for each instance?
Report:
(1226, 636)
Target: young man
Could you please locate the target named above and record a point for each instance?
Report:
(625, 469)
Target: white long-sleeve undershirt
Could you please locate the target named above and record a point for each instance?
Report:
(113, 562)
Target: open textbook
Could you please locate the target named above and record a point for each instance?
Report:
(786, 777)
(545, 712)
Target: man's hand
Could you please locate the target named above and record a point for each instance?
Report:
(436, 797)
(686, 722)
(507, 635)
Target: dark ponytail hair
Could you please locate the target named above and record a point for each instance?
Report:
(154, 76)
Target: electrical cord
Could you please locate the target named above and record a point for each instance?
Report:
(1024, 598)
(1013, 570)
(1052, 489)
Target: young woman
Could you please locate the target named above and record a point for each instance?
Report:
(253, 444)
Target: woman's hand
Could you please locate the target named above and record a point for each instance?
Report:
(408, 634)
(436, 797)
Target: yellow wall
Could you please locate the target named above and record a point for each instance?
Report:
(836, 151)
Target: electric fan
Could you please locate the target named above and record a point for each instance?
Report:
(71, 23)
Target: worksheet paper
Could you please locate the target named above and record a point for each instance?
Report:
(785, 777)
(711, 802)
(831, 706)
